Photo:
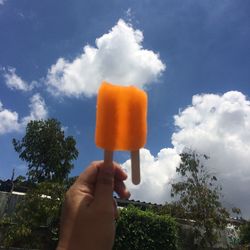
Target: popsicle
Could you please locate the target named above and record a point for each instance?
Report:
(121, 122)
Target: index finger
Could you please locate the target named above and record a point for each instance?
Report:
(89, 175)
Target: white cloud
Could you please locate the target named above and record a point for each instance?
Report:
(2, 2)
(156, 175)
(10, 121)
(129, 15)
(118, 57)
(13, 81)
(129, 12)
(38, 109)
(218, 125)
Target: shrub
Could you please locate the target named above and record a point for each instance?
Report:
(138, 229)
(245, 233)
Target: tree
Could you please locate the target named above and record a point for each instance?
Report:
(49, 154)
(199, 196)
(46, 149)
(173, 209)
(35, 222)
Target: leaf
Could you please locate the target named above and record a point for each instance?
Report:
(46, 150)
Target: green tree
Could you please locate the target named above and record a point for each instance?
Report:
(199, 196)
(35, 222)
(49, 154)
(173, 209)
(46, 149)
(20, 179)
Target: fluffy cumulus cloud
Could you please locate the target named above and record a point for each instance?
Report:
(157, 174)
(218, 125)
(118, 57)
(10, 121)
(13, 81)
(38, 109)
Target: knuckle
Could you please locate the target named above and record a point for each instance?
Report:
(93, 163)
(68, 194)
(106, 179)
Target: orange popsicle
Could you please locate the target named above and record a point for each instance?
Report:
(121, 121)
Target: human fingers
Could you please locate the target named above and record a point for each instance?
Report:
(119, 186)
(110, 179)
(85, 182)
(104, 186)
(121, 190)
(89, 175)
(120, 174)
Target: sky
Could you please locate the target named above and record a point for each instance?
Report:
(191, 57)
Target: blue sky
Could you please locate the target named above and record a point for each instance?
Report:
(197, 48)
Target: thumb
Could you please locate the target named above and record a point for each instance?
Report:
(105, 186)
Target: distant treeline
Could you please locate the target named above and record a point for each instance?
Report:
(18, 185)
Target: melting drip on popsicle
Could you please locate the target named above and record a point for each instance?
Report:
(121, 122)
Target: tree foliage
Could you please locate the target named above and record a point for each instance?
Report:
(49, 154)
(46, 149)
(245, 233)
(173, 209)
(35, 222)
(199, 197)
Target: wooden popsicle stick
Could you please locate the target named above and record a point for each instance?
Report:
(135, 167)
(108, 158)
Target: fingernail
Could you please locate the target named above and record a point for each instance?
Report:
(107, 170)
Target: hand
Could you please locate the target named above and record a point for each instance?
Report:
(89, 212)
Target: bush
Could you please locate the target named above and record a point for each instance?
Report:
(245, 233)
(138, 229)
